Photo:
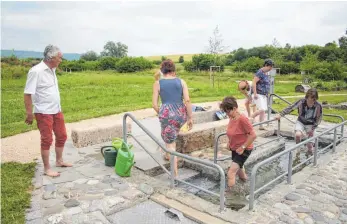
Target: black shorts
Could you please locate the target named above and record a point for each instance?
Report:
(240, 159)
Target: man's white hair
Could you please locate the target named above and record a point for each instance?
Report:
(50, 52)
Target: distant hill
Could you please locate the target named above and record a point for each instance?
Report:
(35, 54)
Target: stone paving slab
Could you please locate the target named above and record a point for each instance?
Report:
(148, 212)
(183, 174)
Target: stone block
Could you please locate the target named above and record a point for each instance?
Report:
(201, 136)
(204, 116)
(97, 134)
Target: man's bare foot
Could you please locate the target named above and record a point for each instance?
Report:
(62, 164)
(51, 173)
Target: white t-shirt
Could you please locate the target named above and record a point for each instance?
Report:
(42, 85)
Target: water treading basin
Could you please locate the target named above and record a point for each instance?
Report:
(265, 174)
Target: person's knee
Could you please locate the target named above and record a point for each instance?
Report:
(233, 169)
(298, 134)
(61, 139)
(46, 141)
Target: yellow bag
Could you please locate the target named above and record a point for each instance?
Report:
(184, 128)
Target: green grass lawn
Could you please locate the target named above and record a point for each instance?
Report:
(93, 94)
(16, 189)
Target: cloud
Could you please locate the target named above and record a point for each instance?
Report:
(160, 28)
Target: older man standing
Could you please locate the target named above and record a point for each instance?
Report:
(42, 92)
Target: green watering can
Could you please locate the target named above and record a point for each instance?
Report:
(117, 143)
(125, 160)
(110, 154)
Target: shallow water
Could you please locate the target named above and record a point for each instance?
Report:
(265, 174)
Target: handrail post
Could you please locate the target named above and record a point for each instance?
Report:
(125, 128)
(215, 149)
(342, 127)
(279, 128)
(268, 107)
(222, 191)
(252, 188)
(172, 169)
(315, 153)
(290, 168)
(334, 145)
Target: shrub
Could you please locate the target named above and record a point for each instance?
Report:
(203, 62)
(328, 71)
(189, 66)
(157, 62)
(13, 71)
(181, 59)
(132, 64)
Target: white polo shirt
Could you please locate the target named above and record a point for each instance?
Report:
(42, 84)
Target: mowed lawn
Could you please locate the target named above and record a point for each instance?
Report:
(93, 94)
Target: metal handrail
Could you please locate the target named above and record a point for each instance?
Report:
(216, 142)
(290, 162)
(173, 154)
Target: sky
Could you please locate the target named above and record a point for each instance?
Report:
(164, 28)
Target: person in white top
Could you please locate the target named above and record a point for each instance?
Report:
(42, 92)
(245, 87)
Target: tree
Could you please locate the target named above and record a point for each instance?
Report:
(310, 62)
(240, 54)
(276, 43)
(181, 59)
(343, 42)
(163, 58)
(216, 43)
(112, 49)
(89, 56)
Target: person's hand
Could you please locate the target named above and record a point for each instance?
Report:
(240, 150)
(255, 96)
(190, 123)
(29, 119)
(278, 116)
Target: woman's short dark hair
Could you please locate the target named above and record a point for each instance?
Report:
(269, 62)
(313, 93)
(228, 104)
(168, 66)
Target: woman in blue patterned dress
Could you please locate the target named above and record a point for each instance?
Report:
(174, 112)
